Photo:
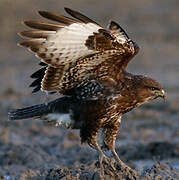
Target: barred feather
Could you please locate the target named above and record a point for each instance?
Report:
(69, 45)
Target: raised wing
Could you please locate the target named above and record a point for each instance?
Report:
(58, 44)
(71, 42)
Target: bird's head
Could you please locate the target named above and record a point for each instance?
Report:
(148, 89)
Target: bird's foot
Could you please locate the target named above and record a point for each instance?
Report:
(99, 164)
(122, 166)
(109, 162)
(126, 169)
(106, 164)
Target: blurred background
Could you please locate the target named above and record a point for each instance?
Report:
(147, 133)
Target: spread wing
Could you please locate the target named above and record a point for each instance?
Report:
(73, 48)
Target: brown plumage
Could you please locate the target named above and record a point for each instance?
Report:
(87, 65)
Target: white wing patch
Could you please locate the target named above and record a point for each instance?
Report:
(68, 43)
(62, 46)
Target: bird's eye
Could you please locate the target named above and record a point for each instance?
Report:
(153, 88)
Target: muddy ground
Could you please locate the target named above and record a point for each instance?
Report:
(149, 135)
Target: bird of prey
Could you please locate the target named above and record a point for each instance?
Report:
(86, 64)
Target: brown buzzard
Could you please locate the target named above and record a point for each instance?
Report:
(86, 64)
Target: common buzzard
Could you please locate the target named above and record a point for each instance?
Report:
(86, 64)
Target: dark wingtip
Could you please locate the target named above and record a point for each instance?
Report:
(27, 23)
(70, 11)
(67, 9)
(79, 16)
(42, 12)
(136, 47)
(42, 64)
(36, 89)
(113, 25)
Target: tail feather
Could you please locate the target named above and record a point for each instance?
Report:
(33, 111)
(60, 105)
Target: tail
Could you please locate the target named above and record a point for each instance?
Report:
(28, 112)
(60, 105)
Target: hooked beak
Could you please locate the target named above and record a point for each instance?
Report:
(162, 94)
